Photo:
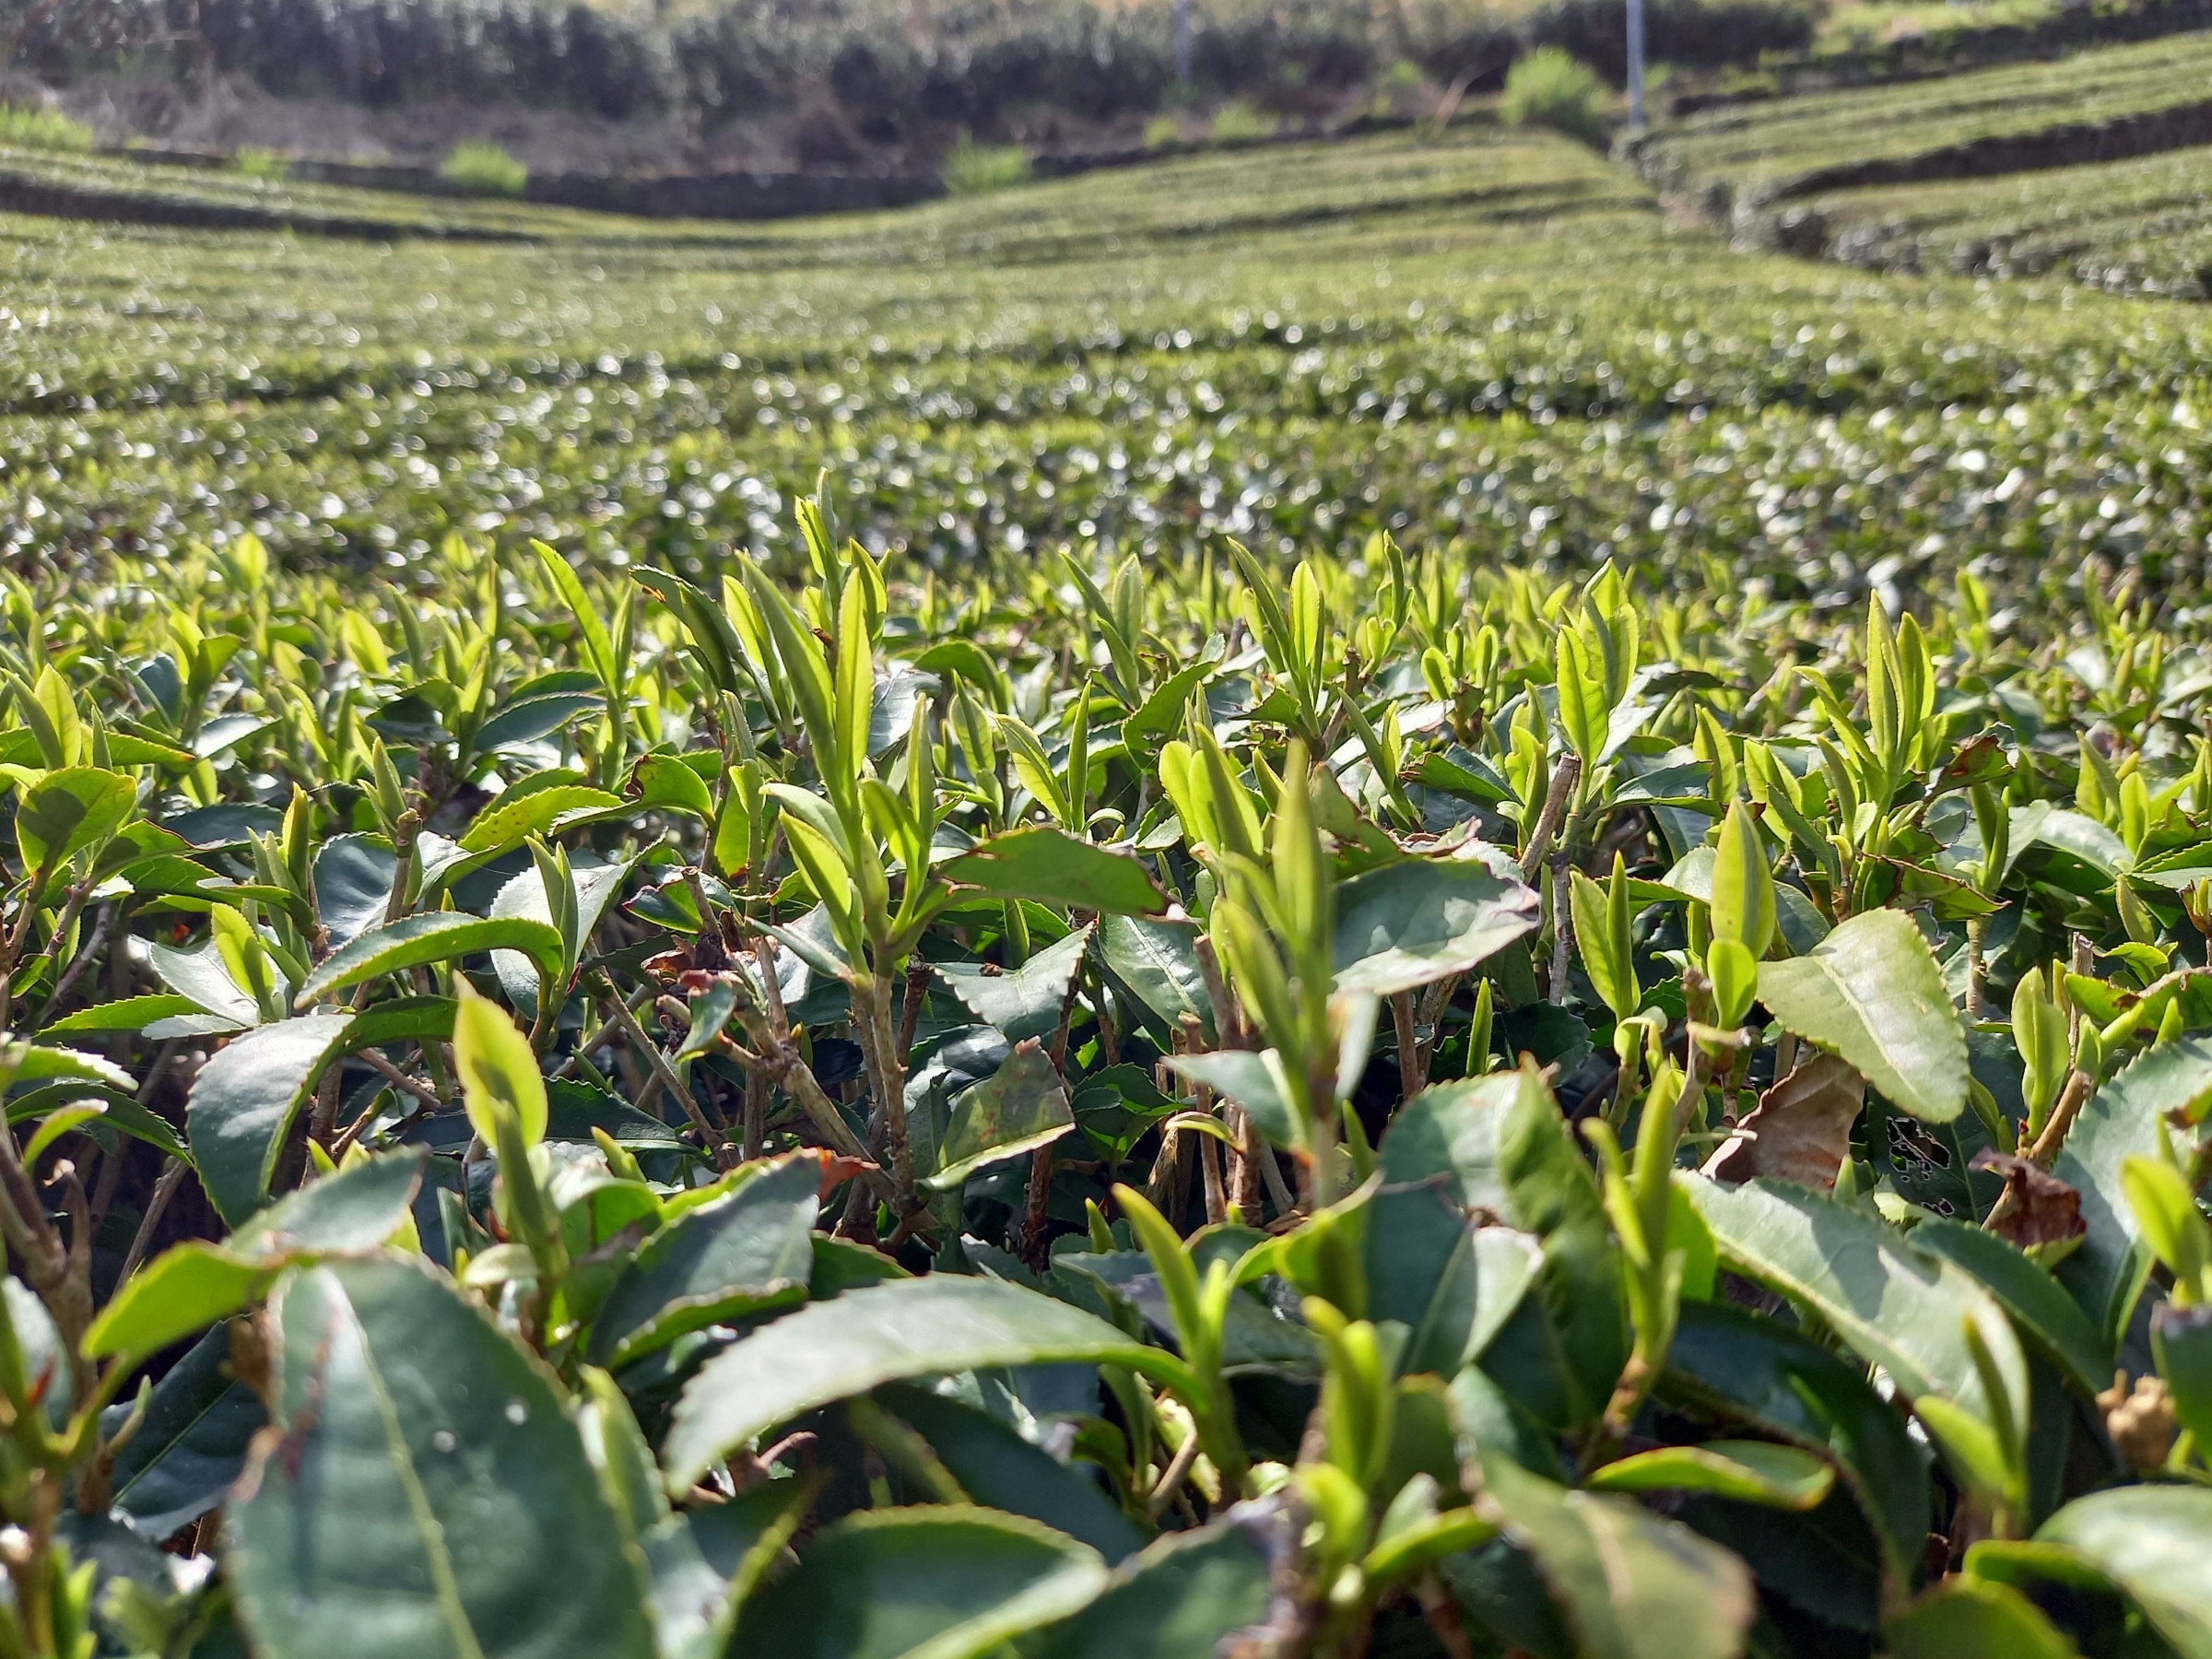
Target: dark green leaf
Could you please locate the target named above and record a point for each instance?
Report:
(1017, 1108)
(353, 885)
(2045, 1313)
(733, 1256)
(244, 1102)
(1408, 924)
(1253, 1082)
(998, 1468)
(1188, 1596)
(1748, 1371)
(1025, 1001)
(431, 1495)
(1046, 864)
(192, 1444)
(432, 936)
(1871, 992)
(1156, 962)
(1899, 1309)
(829, 1351)
(1630, 1584)
(1560, 1352)
(948, 1581)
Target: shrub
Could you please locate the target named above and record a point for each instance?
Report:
(1549, 88)
(972, 169)
(483, 167)
(41, 129)
(1243, 120)
(1162, 130)
(269, 166)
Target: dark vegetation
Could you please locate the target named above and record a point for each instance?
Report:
(971, 64)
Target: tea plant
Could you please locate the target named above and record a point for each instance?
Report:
(972, 169)
(36, 129)
(1550, 88)
(482, 168)
(1395, 1105)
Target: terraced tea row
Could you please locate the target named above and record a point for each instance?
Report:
(2109, 103)
(1497, 339)
(2142, 226)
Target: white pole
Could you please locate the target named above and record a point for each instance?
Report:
(1636, 65)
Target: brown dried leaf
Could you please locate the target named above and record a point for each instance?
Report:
(1801, 1130)
(2037, 1209)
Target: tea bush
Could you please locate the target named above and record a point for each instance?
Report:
(1549, 88)
(23, 128)
(1159, 1107)
(485, 168)
(269, 165)
(972, 169)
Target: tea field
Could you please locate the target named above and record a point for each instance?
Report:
(1349, 902)
(1499, 342)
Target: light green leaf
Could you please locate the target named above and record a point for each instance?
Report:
(885, 1332)
(2106, 1272)
(67, 811)
(1871, 992)
(37, 1065)
(176, 1293)
(2150, 1542)
(197, 1283)
(1748, 1471)
(434, 937)
(598, 650)
(507, 822)
(431, 1495)
(666, 784)
(1409, 924)
(948, 1581)
(130, 1014)
(499, 1076)
(1962, 1617)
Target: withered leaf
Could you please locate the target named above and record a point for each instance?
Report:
(2037, 1209)
(1801, 1130)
